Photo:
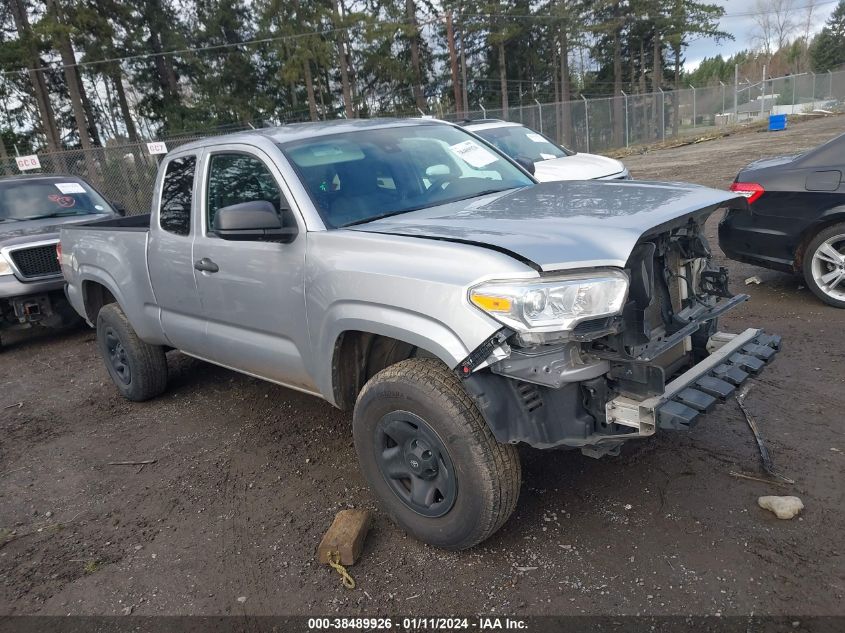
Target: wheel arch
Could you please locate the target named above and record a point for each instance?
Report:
(835, 215)
(359, 355)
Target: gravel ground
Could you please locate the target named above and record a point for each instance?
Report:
(249, 475)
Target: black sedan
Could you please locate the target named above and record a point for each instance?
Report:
(795, 221)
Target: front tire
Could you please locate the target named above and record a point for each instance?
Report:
(430, 457)
(824, 265)
(138, 369)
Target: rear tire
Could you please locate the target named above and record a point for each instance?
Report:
(430, 457)
(138, 369)
(824, 265)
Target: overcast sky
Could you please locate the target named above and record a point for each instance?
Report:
(740, 24)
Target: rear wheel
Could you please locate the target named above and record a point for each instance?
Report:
(138, 370)
(430, 457)
(824, 265)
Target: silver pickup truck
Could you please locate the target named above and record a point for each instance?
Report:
(407, 271)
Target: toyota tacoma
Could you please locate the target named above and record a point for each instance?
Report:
(407, 271)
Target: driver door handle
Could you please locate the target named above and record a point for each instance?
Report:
(206, 265)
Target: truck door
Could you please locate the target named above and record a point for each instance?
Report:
(252, 292)
(169, 256)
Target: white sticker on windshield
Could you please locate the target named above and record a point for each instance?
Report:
(69, 187)
(536, 137)
(546, 156)
(473, 154)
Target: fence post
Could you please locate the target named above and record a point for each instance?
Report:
(693, 106)
(540, 113)
(626, 119)
(736, 93)
(663, 114)
(793, 95)
(587, 117)
(763, 94)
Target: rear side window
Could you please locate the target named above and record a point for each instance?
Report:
(177, 194)
(236, 178)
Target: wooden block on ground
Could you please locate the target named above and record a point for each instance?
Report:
(345, 536)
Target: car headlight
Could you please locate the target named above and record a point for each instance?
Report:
(554, 304)
(5, 267)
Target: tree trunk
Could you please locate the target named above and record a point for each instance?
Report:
(465, 94)
(676, 119)
(123, 103)
(618, 123)
(39, 86)
(558, 101)
(656, 77)
(309, 88)
(344, 67)
(503, 80)
(90, 114)
(568, 132)
(416, 67)
(646, 121)
(453, 63)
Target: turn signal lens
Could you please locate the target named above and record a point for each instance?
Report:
(491, 303)
(750, 190)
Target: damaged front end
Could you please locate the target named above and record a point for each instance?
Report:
(653, 358)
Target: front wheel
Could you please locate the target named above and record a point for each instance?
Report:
(824, 265)
(138, 369)
(431, 459)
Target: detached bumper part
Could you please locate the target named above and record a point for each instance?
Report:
(697, 390)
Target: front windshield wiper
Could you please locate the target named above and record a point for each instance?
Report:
(10, 219)
(57, 214)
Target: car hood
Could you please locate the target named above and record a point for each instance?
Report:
(576, 167)
(562, 225)
(44, 229)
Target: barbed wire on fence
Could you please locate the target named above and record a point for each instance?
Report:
(124, 172)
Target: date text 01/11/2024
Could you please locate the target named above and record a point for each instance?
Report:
(418, 624)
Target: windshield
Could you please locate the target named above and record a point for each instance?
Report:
(522, 142)
(48, 198)
(356, 177)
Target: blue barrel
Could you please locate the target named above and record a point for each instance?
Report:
(777, 122)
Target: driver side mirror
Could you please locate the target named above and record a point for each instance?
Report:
(526, 163)
(253, 221)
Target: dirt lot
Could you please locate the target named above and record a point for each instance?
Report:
(249, 475)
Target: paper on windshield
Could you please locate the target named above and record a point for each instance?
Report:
(536, 137)
(547, 156)
(473, 154)
(69, 187)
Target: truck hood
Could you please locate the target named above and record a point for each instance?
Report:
(577, 167)
(562, 225)
(44, 229)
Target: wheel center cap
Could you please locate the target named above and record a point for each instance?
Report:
(421, 459)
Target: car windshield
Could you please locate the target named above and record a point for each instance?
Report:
(360, 176)
(522, 142)
(48, 198)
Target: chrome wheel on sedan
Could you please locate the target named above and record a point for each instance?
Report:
(824, 265)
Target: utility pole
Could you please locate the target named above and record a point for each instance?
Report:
(453, 62)
(763, 94)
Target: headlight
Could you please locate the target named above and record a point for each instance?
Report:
(555, 304)
(5, 268)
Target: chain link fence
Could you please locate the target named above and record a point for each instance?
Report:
(124, 173)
